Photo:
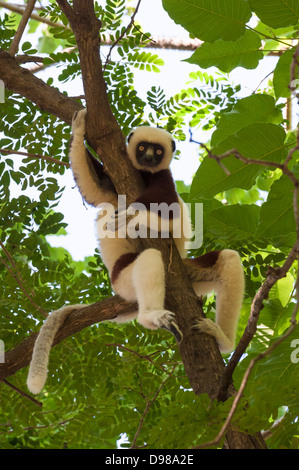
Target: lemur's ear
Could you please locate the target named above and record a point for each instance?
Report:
(173, 145)
(129, 136)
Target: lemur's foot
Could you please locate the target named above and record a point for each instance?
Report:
(174, 329)
(154, 319)
(206, 325)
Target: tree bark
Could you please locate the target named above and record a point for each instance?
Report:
(47, 98)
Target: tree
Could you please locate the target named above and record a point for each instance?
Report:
(113, 380)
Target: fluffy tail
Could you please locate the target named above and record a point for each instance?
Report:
(38, 369)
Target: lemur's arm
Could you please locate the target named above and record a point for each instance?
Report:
(95, 186)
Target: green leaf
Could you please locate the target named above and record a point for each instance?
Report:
(47, 44)
(256, 141)
(236, 222)
(282, 73)
(210, 179)
(26, 46)
(5, 180)
(277, 213)
(282, 290)
(227, 55)
(51, 224)
(156, 98)
(276, 13)
(145, 60)
(210, 20)
(249, 110)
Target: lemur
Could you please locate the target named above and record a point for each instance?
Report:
(139, 276)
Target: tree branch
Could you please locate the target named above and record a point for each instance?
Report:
(257, 305)
(123, 33)
(20, 392)
(20, 355)
(47, 98)
(243, 384)
(103, 132)
(34, 156)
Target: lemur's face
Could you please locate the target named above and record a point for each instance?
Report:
(149, 154)
(150, 149)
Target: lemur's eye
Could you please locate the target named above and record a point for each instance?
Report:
(141, 148)
(159, 152)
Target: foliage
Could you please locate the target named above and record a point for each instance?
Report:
(106, 381)
(243, 52)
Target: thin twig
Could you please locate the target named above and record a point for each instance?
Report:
(35, 156)
(123, 34)
(242, 387)
(252, 161)
(146, 410)
(211, 155)
(272, 276)
(38, 427)
(275, 38)
(24, 394)
(19, 279)
(24, 59)
(263, 79)
(22, 25)
(141, 356)
(257, 304)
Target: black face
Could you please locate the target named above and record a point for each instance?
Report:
(148, 154)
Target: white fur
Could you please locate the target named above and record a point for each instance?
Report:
(126, 317)
(112, 248)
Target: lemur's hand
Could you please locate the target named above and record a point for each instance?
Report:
(128, 223)
(118, 220)
(79, 122)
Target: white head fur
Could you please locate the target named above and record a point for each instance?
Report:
(151, 135)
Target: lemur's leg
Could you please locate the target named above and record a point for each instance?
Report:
(143, 279)
(221, 272)
(94, 185)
